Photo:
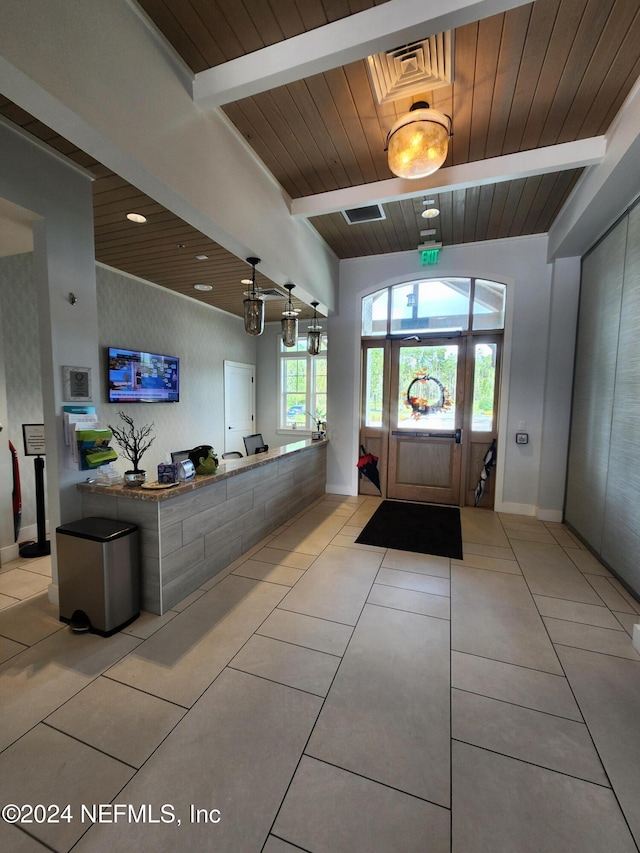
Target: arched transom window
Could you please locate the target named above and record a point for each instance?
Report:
(434, 305)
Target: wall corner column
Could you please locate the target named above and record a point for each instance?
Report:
(563, 314)
(60, 195)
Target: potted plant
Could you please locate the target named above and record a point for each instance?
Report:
(134, 443)
(321, 425)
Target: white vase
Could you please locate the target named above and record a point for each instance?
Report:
(134, 478)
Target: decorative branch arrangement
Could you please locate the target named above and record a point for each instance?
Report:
(133, 441)
(319, 419)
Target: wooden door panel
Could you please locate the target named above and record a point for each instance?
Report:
(427, 402)
(423, 463)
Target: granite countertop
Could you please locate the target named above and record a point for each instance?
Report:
(227, 468)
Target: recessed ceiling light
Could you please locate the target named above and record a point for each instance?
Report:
(430, 213)
(136, 217)
(203, 287)
(202, 257)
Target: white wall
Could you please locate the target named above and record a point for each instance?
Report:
(63, 261)
(20, 391)
(137, 315)
(521, 264)
(565, 293)
(6, 510)
(267, 386)
(133, 314)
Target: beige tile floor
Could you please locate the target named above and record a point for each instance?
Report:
(323, 696)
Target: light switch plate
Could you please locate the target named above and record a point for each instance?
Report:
(522, 438)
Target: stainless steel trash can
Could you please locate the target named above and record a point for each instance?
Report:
(98, 574)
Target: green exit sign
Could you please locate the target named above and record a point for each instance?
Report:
(429, 256)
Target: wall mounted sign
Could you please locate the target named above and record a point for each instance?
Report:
(77, 384)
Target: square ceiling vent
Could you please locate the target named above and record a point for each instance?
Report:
(413, 69)
(272, 293)
(358, 215)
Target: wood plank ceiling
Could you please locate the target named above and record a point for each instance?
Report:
(545, 73)
(549, 72)
(164, 250)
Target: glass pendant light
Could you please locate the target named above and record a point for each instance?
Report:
(314, 333)
(289, 322)
(418, 142)
(253, 304)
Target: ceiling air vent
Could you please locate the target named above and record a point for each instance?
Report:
(272, 293)
(413, 68)
(370, 213)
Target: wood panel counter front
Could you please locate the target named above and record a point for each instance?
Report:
(192, 531)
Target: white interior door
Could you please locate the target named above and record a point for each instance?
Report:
(239, 404)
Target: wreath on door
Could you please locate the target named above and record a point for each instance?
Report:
(424, 399)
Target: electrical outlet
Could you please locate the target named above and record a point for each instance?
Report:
(522, 438)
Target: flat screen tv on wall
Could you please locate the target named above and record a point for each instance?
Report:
(142, 377)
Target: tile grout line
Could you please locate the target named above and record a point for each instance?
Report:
(187, 710)
(340, 657)
(608, 787)
(335, 675)
(580, 722)
(604, 769)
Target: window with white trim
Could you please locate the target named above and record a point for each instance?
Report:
(302, 382)
(434, 305)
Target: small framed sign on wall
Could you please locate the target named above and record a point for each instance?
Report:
(77, 384)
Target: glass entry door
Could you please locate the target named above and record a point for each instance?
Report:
(430, 388)
(426, 439)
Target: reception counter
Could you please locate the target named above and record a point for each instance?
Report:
(192, 531)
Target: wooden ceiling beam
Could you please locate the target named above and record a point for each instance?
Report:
(338, 43)
(510, 167)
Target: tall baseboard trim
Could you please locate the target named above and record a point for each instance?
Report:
(515, 509)
(9, 553)
(550, 515)
(529, 509)
(28, 533)
(331, 489)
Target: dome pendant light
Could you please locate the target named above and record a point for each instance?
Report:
(289, 322)
(253, 304)
(314, 333)
(418, 142)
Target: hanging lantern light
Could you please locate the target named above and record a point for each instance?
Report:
(418, 142)
(253, 304)
(314, 333)
(289, 321)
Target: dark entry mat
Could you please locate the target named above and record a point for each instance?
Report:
(424, 528)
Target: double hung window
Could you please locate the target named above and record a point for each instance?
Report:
(302, 386)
